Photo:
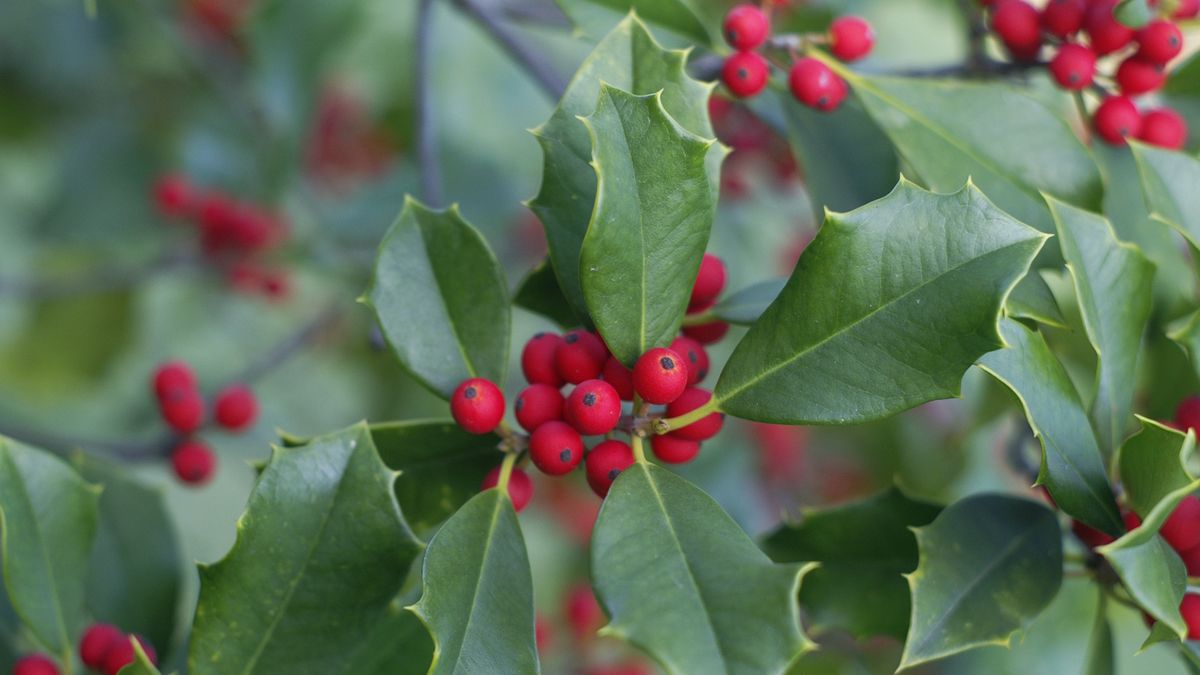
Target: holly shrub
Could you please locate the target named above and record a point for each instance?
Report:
(863, 337)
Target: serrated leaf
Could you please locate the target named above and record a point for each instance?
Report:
(1114, 287)
(1032, 299)
(322, 550)
(440, 465)
(1073, 469)
(1153, 463)
(697, 20)
(397, 644)
(744, 307)
(441, 299)
(1169, 179)
(1186, 331)
(989, 564)
(141, 662)
(864, 549)
(694, 592)
(947, 131)
(477, 598)
(135, 572)
(654, 209)
(886, 309)
(47, 525)
(847, 159)
(1099, 657)
(630, 59)
(539, 293)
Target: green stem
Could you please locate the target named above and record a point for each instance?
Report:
(699, 318)
(506, 469)
(662, 426)
(639, 453)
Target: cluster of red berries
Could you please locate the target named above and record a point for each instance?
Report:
(600, 384)
(810, 80)
(103, 649)
(232, 232)
(182, 407)
(1144, 54)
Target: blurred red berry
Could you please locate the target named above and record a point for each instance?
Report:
(193, 462)
(694, 354)
(173, 377)
(35, 664)
(1063, 18)
(672, 449)
(95, 643)
(1165, 128)
(703, 428)
(1073, 67)
(1137, 76)
(815, 85)
(710, 281)
(620, 377)
(520, 486)
(850, 38)
(746, 27)
(1115, 119)
(174, 196)
(236, 407)
(1106, 34)
(707, 333)
(1159, 41)
(182, 410)
(745, 73)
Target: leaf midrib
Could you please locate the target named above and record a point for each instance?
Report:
(483, 560)
(437, 282)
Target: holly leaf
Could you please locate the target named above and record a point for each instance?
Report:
(697, 20)
(947, 131)
(142, 665)
(539, 293)
(1072, 468)
(630, 59)
(1153, 463)
(135, 571)
(988, 565)
(864, 549)
(886, 309)
(477, 598)
(47, 525)
(694, 592)
(1169, 179)
(847, 159)
(746, 306)
(1033, 300)
(322, 550)
(1186, 332)
(1114, 286)
(441, 298)
(397, 644)
(654, 209)
(1099, 657)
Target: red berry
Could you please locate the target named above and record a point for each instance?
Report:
(537, 360)
(702, 429)
(1063, 18)
(275, 284)
(172, 377)
(583, 612)
(605, 462)
(660, 376)
(620, 377)
(1186, 9)
(580, 356)
(1191, 560)
(1182, 527)
(555, 448)
(183, 410)
(1159, 41)
(1116, 118)
(710, 281)
(174, 196)
(1106, 34)
(1190, 609)
(1018, 25)
(746, 27)
(707, 333)
(850, 38)
(236, 407)
(1073, 67)
(815, 85)
(95, 643)
(542, 634)
(672, 449)
(520, 486)
(1165, 128)
(193, 462)
(35, 664)
(593, 408)
(477, 405)
(121, 654)
(745, 73)
(1187, 415)
(1089, 535)
(1132, 520)
(1138, 76)
(538, 404)
(697, 358)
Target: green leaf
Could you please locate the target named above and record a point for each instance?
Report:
(627, 58)
(682, 581)
(745, 306)
(47, 525)
(141, 662)
(864, 549)
(478, 591)
(1153, 463)
(539, 293)
(947, 131)
(886, 309)
(697, 20)
(1073, 469)
(441, 299)
(654, 209)
(397, 644)
(1186, 331)
(1032, 299)
(989, 564)
(440, 465)
(1134, 13)
(1099, 658)
(1169, 179)
(135, 572)
(1114, 286)
(847, 159)
(322, 550)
